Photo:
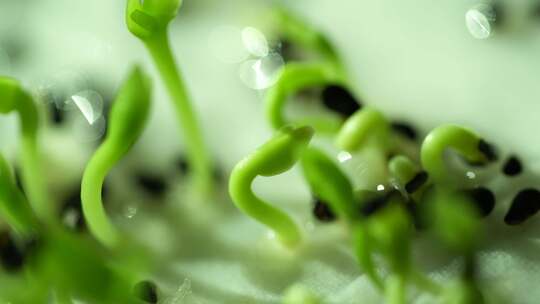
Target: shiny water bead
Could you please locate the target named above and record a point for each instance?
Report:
(340, 100)
(416, 182)
(483, 199)
(482, 19)
(322, 212)
(11, 256)
(524, 205)
(146, 291)
(512, 167)
(152, 184)
(405, 129)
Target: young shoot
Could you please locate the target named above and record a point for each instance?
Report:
(328, 182)
(293, 78)
(465, 142)
(276, 156)
(13, 98)
(14, 208)
(365, 125)
(149, 22)
(127, 120)
(408, 175)
(294, 29)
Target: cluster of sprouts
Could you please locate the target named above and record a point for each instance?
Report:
(423, 194)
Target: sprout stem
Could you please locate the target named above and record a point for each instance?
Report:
(159, 48)
(276, 156)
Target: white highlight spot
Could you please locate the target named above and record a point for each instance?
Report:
(380, 188)
(480, 20)
(344, 156)
(261, 73)
(255, 42)
(90, 104)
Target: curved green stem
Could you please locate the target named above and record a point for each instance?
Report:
(367, 123)
(396, 290)
(328, 182)
(92, 183)
(463, 141)
(149, 21)
(295, 29)
(409, 175)
(276, 156)
(294, 77)
(14, 208)
(403, 168)
(197, 153)
(363, 249)
(127, 120)
(14, 98)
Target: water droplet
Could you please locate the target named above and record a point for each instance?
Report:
(344, 156)
(225, 42)
(89, 103)
(87, 108)
(380, 187)
(480, 20)
(130, 211)
(261, 73)
(255, 42)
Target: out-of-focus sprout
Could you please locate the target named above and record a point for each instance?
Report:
(295, 29)
(77, 268)
(462, 292)
(409, 175)
(127, 120)
(329, 183)
(298, 294)
(367, 124)
(149, 21)
(14, 207)
(293, 78)
(276, 156)
(465, 142)
(13, 98)
(454, 220)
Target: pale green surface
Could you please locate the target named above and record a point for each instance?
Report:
(413, 60)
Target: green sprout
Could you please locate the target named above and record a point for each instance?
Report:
(295, 29)
(276, 156)
(13, 98)
(14, 208)
(149, 22)
(409, 175)
(365, 125)
(298, 294)
(127, 120)
(328, 182)
(294, 77)
(465, 142)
